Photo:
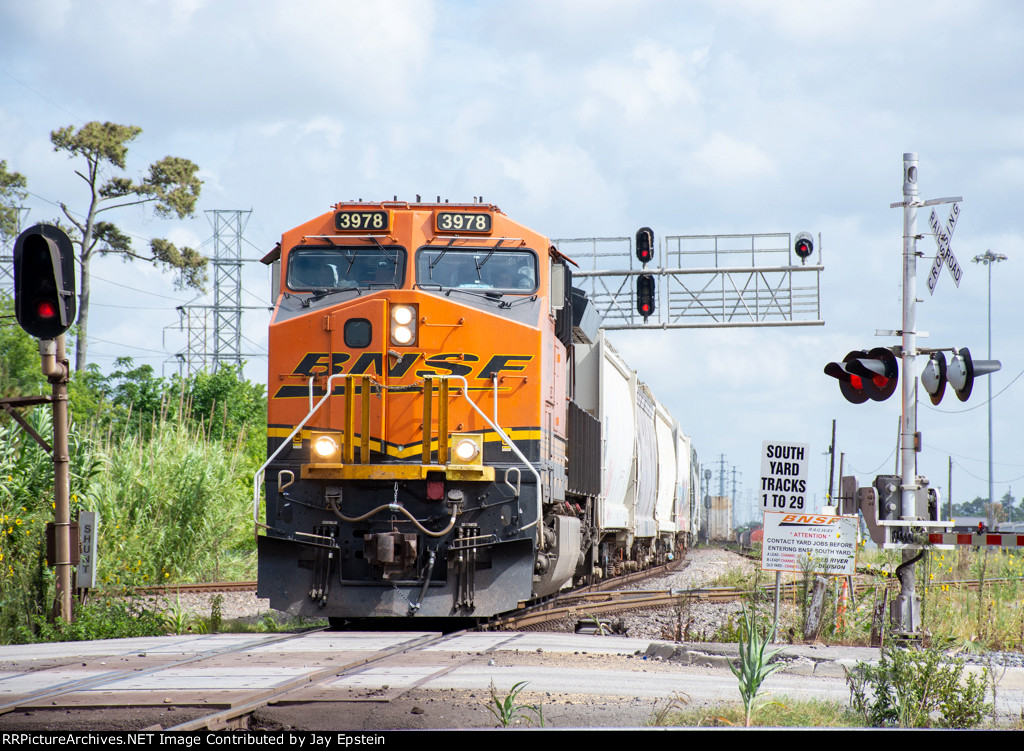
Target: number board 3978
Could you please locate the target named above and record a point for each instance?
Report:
(463, 221)
(784, 475)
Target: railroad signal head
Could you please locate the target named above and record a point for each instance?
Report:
(959, 373)
(933, 377)
(864, 375)
(963, 369)
(645, 293)
(44, 281)
(645, 245)
(803, 246)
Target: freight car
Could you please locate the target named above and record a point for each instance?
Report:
(449, 434)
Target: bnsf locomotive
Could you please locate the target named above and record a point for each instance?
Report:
(430, 452)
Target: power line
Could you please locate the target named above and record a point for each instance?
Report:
(982, 404)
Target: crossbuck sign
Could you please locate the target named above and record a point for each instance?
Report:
(945, 253)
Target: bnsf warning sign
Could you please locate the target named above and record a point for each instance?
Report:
(809, 542)
(784, 476)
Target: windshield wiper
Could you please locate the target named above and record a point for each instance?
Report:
(440, 256)
(320, 294)
(480, 264)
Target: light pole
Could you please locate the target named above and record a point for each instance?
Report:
(989, 259)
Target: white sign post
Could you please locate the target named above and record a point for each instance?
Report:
(784, 476)
(820, 543)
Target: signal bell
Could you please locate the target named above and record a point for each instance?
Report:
(960, 374)
(645, 245)
(44, 281)
(864, 375)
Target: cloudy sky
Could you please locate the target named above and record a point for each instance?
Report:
(581, 118)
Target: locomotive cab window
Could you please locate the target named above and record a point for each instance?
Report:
(512, 272)
(337, 268)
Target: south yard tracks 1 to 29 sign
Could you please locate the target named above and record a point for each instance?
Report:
(784, 476)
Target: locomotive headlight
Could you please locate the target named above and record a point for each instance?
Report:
(403, 325)
(325, 447)
(467, 449)
(402, 335)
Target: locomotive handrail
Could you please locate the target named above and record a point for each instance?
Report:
(515, 449)
(259, 474)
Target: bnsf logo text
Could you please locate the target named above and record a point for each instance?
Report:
(317, 364)
(803, 519)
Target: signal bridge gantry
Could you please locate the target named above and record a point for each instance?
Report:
(699, 281)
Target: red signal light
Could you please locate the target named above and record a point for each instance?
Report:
(46, 309)
(803, 246)
(44, 281)
(864, 375)
(645, 292)
(645, 245)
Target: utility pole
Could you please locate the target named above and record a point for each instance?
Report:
(721, 475)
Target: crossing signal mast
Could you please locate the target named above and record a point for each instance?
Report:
(903, 512)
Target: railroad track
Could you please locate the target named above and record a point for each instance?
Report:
(168, 590)
(588, 604)
(149, 686)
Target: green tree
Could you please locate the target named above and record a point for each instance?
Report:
(972, 508)
(171, 186)
(21, 372)
(1013, 513)
(12, 192)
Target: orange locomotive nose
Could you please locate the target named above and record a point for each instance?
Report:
(425, 454)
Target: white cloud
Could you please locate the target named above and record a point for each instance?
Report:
(724, 158)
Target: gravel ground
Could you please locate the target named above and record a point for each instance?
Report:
(700, 620)
(233, 605)
(701, 567)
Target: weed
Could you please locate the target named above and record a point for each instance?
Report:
(105, 619)
(792, 714)
(216, 612)
(755, 662)
(177, 619)
(507, 712)
(915, 688)
(663, 712)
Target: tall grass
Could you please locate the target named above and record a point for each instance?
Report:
(175, 508)
(26, 505)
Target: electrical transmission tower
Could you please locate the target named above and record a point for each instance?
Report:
(226, 337)
(227, 286)
(7, 253)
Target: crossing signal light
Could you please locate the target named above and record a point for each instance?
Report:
(803, 246)
(645, 245)
(645, 290)
(44, 281)
(933, 377)
(959, 373)
(864, 375)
